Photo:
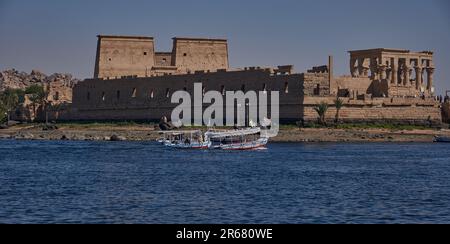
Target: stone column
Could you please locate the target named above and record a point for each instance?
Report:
(365, 71)
(401, 75)
(360, 67)
(394, 71)
(353, 67)
(430, 72)
(410, 70)
(406, 75)
(382, 71)
(418, 70)
(388, 74)
(374, 69)
(421, 76)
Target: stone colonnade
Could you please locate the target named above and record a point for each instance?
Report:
(396, 70)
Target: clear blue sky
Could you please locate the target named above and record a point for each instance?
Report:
(60, 36)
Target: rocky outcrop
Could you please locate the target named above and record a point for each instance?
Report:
(20, 80)
(59, 87)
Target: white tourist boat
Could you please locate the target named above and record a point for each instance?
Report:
(184, 139)
(240, 139)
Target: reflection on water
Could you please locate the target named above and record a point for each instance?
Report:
(141, 182)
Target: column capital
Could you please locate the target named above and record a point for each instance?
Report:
(382, 71)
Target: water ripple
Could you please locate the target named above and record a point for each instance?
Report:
(141, 182)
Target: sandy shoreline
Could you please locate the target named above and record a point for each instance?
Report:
(148, 133)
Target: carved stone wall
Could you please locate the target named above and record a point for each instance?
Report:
(124, 56)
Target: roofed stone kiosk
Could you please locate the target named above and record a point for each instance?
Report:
(398, 72)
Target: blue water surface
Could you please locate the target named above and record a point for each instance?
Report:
(143, 182)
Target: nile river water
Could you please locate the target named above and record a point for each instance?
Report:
(142, 182)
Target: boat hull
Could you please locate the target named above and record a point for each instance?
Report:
(260, 143)
(204, 145)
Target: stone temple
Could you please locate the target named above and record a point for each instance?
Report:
(119, 56)
(132, 81)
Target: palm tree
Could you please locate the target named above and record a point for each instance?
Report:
(3, 111)
(56, 108)
(46, 103)
(321, 110)
(37, 95)
(9, 100)
(338, 103)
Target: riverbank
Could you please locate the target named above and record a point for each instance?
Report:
(146, 132)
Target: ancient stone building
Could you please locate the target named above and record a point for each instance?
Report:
(397, 72)
(446, 112)
(133, 82)
(119, 56)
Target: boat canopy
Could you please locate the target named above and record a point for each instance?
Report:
(230, 133)
(179, 132)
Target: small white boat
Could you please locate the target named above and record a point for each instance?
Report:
(241, 139)
(184, 139)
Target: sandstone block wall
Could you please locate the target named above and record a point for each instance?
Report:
(149, 98)
(163, 59)
(446, 112)
(123, 56)
(360, 85)
(400, 91)
(399, 110)
(193, 54)
(119, 56)
(315, 84)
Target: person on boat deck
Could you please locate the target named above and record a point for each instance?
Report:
(187, 141)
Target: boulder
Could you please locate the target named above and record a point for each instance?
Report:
(50, 127)
(25, 136)
(2, 137)
(12, 123)
(117, 138)
(78, 138)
